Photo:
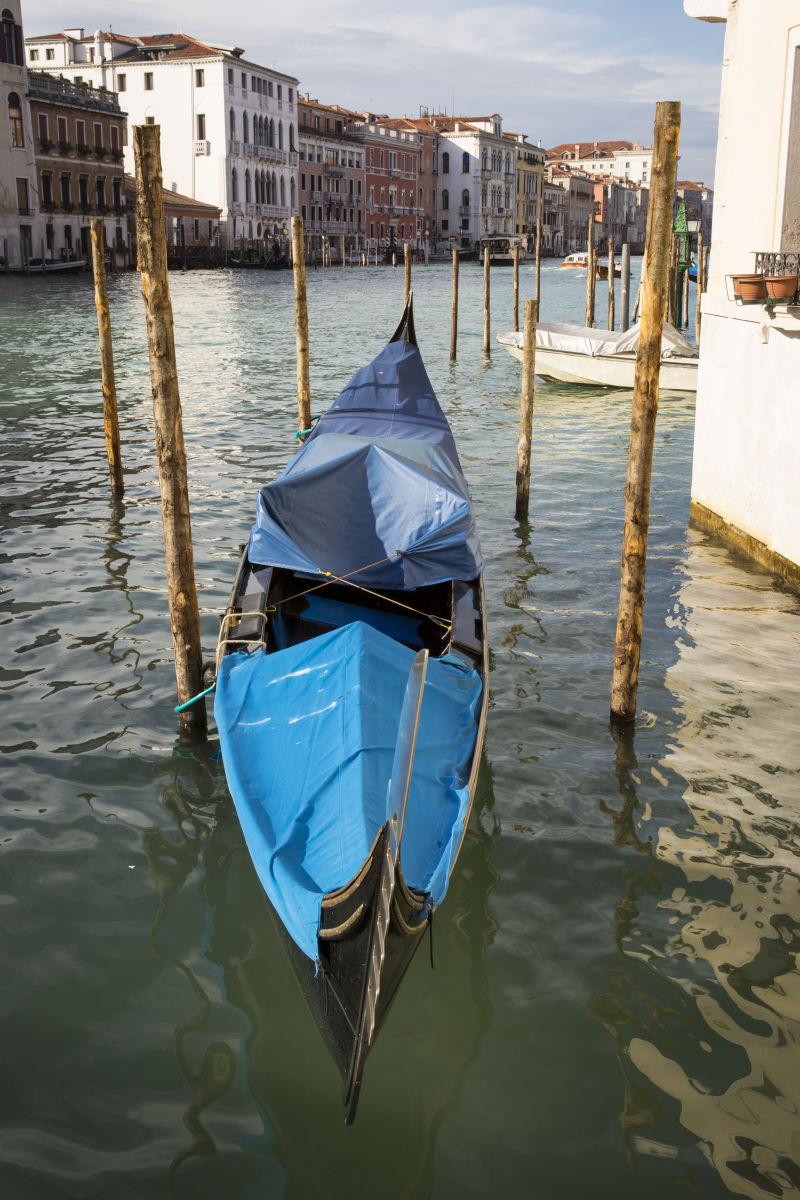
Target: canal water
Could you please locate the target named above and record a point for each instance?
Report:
(614, 1007)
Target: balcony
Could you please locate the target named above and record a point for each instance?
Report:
(117, 154)
(45, 145)
(333, 169)
(82, 149)
(100, 151)
(464, 210)
(65, 147)
(202, 147)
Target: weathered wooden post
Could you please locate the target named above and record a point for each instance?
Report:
(526, 410)
(591, 275)
(454, 308)
(611, 295)
(170, 450)
(625, 286)
(406, 272)
(301, 325)
(487, 320)
(539, 258)
(699, 286)
(672, 283)
(655, 279)
(685, 312)
(516, 287)
(110, 419)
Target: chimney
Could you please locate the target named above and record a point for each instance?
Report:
(74, 33)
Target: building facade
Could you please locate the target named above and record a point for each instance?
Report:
(529, 193)
(745, 481)
(21, 226)
(332, 178)
(615, 203)
(228, 125)
(699, 201)
(580, 204)
(393, 150)
(427, 181)
(554, 209)
(624, 160)
(187, 222)
(477, 179)
(80, 136)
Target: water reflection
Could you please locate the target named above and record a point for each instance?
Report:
(705, 998)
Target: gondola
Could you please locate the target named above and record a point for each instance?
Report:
(351, 692)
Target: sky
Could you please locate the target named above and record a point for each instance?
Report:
(557, 70)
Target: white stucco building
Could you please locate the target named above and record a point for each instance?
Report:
(228, 125)
(21, 225)
(623, 160)
(745, 479)
(477, 179)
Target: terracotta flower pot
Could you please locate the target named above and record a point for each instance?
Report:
(749, 287)
(781, 287)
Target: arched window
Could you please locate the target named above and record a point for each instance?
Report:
(245, 128)
(271, 132)
(234, 185)
(508, 164)
(291, 137)
(280, 135)
(283, 192)
(15, 117)
(484, 159)
(261, 131)
(11, 40)
(274, 188)
(465, 163)
(445, 199)
(232, 123)
(293, 194)
(465, 198)
(446, 163)
(247, 196)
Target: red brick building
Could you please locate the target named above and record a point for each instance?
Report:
(393, 153)
(332, 194)
(427, 180)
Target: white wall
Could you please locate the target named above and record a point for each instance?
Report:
(747, 433)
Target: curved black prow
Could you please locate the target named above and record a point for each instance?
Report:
(405, 330)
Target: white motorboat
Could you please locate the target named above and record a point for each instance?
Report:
(600, 358)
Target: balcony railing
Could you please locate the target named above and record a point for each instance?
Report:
(784, 262)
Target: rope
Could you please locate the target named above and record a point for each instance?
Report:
(345, 579)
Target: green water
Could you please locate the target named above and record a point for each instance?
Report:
(615, 1005)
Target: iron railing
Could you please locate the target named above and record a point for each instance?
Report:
(783, 262)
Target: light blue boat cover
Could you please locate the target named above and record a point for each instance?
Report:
(378, 484)
(308, 737)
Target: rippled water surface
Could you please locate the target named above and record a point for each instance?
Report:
(615, 1005)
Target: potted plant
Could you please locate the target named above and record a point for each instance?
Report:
(781, 287)
(749, 287)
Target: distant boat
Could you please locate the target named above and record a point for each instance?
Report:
(597, 357)
(501, 248)
(581, 261)
(52, 266)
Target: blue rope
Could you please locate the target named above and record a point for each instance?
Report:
(179, 708)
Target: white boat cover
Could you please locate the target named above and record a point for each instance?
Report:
(601, 343)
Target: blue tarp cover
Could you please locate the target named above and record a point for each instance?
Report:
(377, 482)
(308, 737)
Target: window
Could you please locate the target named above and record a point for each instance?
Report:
(23, 204)
(201, 127)
(230, 76)
(245, 128)
(232, 123)
(280, 91)
(149, 120)
(47, 189)
(244, 81)
(100, 188)
(98, 136)
(199, 77)
(34, 55)
(83, 192)
(44, 128)
(122, 83)
(62, 130)
(148, 81)
(465, 163)
(234, 186)
(11, 42)
(280, 135)
(291, 95)
(291, 138)
(66, 191)
(80, 135)
(247, 186)
(445, 199)
(115, 137)
(15, 117)
(116, 191)
(465, 198)
(196, 229)
(446, 163)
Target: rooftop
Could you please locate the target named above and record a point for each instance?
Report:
(176, 200)
(54, 89)
(594, 149)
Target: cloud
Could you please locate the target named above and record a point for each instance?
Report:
(577, 71)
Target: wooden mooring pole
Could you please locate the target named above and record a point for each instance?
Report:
(539, 260)
(591, 275)
(516, 287)
(301, 325)
(611, 284)
(699, 285)
(454, 308)
(685, 307)
(625, 288)
(526, 410)
(655, 280)
(170, 450)
(406, 272)
(487, 321)
(110, 418)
